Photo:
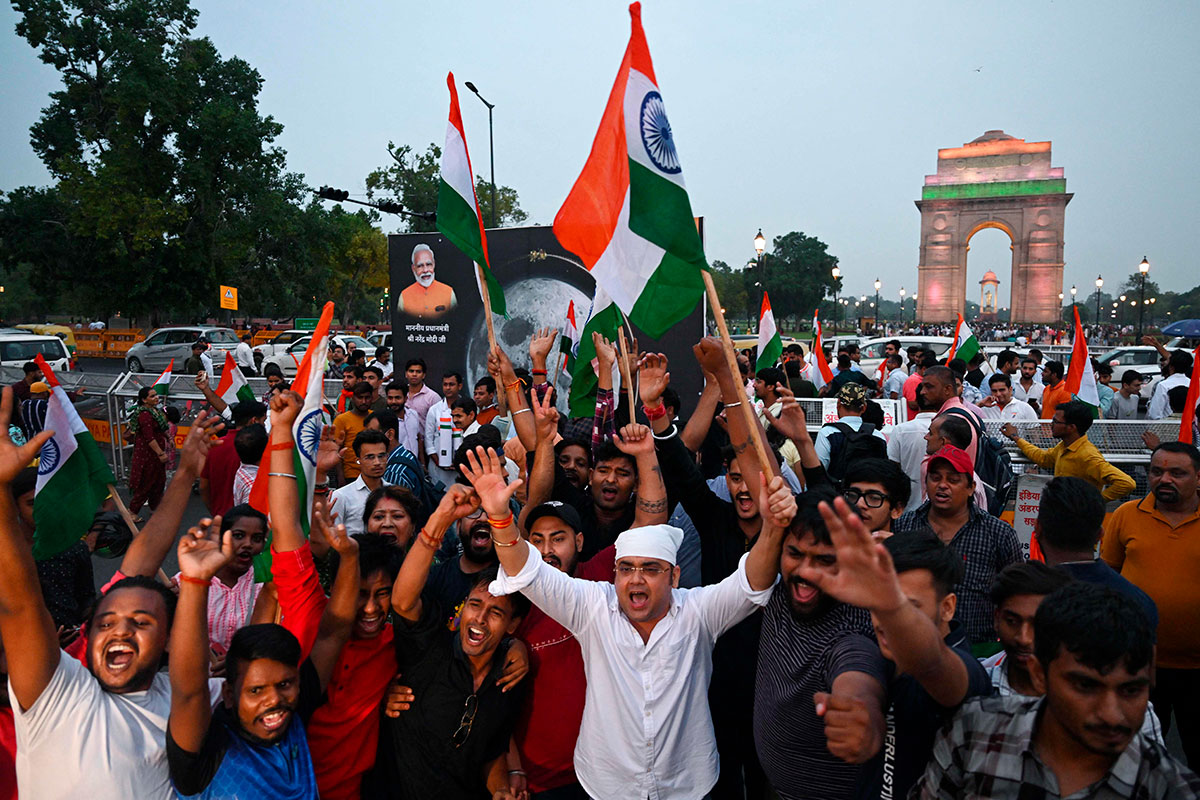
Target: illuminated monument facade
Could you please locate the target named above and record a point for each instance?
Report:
(995, 181)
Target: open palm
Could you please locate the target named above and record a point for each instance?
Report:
(485, 472)
(203, 550)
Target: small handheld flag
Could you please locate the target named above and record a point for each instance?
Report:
(770, 346)
(233, 387)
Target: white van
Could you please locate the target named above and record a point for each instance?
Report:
(17, 350)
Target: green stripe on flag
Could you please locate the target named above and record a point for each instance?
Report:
(245, 394)
(582, 401)
(64, 508)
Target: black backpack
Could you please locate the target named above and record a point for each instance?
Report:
(852, 446)
(992, 464)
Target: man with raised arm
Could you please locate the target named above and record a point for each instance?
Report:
(647, 646)
(96, 729)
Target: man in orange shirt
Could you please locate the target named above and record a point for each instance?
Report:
(426, 298)
(1056, 388)
(1155, 544)
(348, 425)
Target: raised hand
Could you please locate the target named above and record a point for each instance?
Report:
(545, 417)
(13, 459)
(606, 352)
(485, 472)
(328, 531)
(710, 354)
(791, 421)
(203, 550)
(458, 502)
(201, 380)
(541, 344)
(863, 575)
(199, 442)
(634, 440)
(653, 378)
(330, 449)
(502, 365)
(285, 407)
(776, 503)
(849, 731)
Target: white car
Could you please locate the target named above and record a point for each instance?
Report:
(871, 350)
(1140, 358)
(278, 345)
(289, 360)
(380, 339)
(17, 349)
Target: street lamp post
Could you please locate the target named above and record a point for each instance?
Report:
(760, 246)
(877, 285)
(837, 273)
(914, 308)
(1073, 291)
(900, 317)
(1143, 268)
(1099, 284)
(491, 146)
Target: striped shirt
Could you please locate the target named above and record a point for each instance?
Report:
(796, 658)
(229, 607)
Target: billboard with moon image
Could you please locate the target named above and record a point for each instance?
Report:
(437, 313)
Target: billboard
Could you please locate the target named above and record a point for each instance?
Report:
(437, 313)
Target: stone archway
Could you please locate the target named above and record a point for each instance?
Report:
(995, 181)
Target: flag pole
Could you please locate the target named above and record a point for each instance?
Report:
(625, 376)
(127, 515)
(764, 461)
(487, 307)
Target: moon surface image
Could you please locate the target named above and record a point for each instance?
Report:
(533, 303)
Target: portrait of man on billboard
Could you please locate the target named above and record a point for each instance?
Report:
(426, 297)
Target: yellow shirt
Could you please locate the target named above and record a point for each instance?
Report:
(1081, 459)
(350, 425)
(1162, 560)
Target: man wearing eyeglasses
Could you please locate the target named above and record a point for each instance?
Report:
(878, 491)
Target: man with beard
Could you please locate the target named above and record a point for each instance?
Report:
(646, 728)
(58, 703)
(1093, 656)
(451, 581)
(408, 429)
(1155, 544)
(813, 643)
(234, 592)
(454, 741)
(253, 746)
(426, 297)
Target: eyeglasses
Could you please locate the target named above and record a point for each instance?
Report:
(649, 570)
(874, 499)
(464, 725)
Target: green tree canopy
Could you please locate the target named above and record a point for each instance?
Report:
(798, 273)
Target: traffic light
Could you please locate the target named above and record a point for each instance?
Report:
(389, 207)
(329, 193)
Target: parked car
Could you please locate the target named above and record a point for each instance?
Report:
(289, 360)
(17, 349)
(61, 331)
(156, 351)
(380, 338)
(745, 341)
(1142, 358)
(278, 345)
(871, 350)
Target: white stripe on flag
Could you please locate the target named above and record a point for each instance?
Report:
(627, 264)
(455, 171)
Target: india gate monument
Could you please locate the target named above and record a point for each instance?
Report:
(995, 181)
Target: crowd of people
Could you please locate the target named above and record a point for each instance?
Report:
(486, 598)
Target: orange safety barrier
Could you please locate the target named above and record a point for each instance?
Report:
(117, 343)
(89, 344)
(262, 337)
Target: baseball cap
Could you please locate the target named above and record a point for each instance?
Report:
(852, 395)
(39, 386)
(958, 458)
(557, 509)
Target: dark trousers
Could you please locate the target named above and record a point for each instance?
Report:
(1178, 691)
(572, 791)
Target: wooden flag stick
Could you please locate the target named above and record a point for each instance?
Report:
(625, 377)
(764, 461)
(558, 369)
(128, 517)
(487, 308)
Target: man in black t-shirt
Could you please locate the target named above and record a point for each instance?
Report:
(907, 583)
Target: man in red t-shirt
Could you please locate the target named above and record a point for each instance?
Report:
(216, 479)
(549, 723)
(925, 360)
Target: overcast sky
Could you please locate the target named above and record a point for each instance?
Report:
(822, 117)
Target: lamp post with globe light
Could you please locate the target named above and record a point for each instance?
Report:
(877, 287)
(1099, 284)
(837, 273)
(760, 247)
(1073, 312)
(900, 316)
(1143, 268)
(914, 319)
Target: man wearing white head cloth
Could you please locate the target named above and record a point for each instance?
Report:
(647, 645)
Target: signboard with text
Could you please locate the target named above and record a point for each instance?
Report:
(890, 408)
(1025, 512)
(229, 298)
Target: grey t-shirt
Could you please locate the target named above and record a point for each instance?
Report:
(1122, 407)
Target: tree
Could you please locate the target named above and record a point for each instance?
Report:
(359, 264)
(731, 288)
(412, 180)
(798, 272)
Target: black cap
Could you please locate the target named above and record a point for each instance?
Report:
(558, 509)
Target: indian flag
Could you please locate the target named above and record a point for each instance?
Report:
(306, 431)
(1193, 397)
(233, 387)
(770, 346)
(628, 216)
(568, 343)
(965, 344)
(162, 386)
(603, 318)
(458, 216)
(1081, 380)
(822, 374)
(73, 478)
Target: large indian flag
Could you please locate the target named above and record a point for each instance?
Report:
(73, 478)
(162, 386)
(770, 346)
(233, 387)
(965, 344)
(628, 216)
(1081, 379)
(458, 216)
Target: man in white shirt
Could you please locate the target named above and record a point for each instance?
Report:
(383, 360)
(907, 445)
(243, 356)
(440, 468)
(1178, 373)
(408, 430)
(647, 646)
(349, 501)
(893, 384)
(1001, 404)
(1028, 387)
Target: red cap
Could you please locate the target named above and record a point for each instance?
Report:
(958, 458)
